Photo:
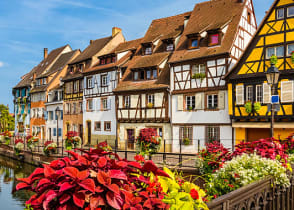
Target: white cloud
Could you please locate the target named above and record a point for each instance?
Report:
(1, 64)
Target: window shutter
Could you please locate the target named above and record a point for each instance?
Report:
(180, 102)
(286, 91)
(221, 100)
(59, 131)
(54, 131)
(98, 81)
(61, 114)
(109, 103)
(199, 101)
(46, 115)
(240, 94)
(266, 93)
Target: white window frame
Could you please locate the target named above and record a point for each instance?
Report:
(275, 47)
(259, 93)
(127, 101)
(280, 9)
(214, 106)
(89, 82)
(189, 102)
(104, 102)
(148, 50)
(288, 11)
(249, 93)
(90, 104)
(198, 68)
(151, 98)
(104, 80)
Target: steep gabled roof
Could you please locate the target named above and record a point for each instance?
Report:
(92, 49)
(129, 45)
(209, 16)
(251, 45)
(43, 65)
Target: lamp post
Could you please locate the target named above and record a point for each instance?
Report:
(57, 112)
(0, 122)
(272, 76)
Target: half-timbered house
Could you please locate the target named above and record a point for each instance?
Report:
(215, 35)
(99, 81)
(247, 83)
(142, 95)
(74, 81)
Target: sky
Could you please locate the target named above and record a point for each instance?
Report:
(29, 26)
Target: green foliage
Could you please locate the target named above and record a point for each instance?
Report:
(186, 141)
(28, 207)
(257, 107)
(181, 194)
(274, 59)
(248, 107)
(6, 120)
(292, 56)
(200, 76)
(243, 170)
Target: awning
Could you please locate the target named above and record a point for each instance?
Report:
(262, 125)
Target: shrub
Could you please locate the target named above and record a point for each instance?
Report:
(243, 170)
(96, 179)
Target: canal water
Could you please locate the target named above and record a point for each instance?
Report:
(10, 170)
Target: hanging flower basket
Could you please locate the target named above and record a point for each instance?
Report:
(72, 140)
(50, 148)
(148, 142)
(186, 141)
(18, 146)
(248, 107)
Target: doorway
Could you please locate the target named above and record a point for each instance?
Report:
(81, 132)
(254, 134)
(131, 138)
(89, 131)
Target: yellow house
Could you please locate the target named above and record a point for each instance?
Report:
(249, 93)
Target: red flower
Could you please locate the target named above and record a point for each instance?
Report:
(139, 158)
(231, 186)
(194, 194)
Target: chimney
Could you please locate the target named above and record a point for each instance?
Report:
(34, 76)
(91, 41)
(115, 30)
(186, 19)
(45, 53)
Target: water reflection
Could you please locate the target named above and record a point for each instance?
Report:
(10, 170)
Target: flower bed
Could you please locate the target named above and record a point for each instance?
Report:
(32, 142)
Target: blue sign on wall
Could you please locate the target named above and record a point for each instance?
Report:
(275, 99)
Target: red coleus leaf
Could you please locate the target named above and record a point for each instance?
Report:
(102, 162)
(74, 155)
(79, 199)
(57, 164)
(121, 164)
(49, 197)
(48, 171)
(114, 188)
(22, 185)
(66, 186)
(25, 180)
(43, 181)
(38, 200)
(83, 174)
(135, 164)
(114, 200)
(88, 184)
(71, 171)
(103, 178)
(64, 198)
(147, 204)
(117, 174)
(96, 200)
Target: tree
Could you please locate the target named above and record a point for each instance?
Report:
(6, 120)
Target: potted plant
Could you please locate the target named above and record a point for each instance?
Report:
(18, 146)
(7, 137)
(32, 141)
(274, 59)
(200, 76)
(190, 108)
(248, 107)
(72, 140)
(257, 107)
(148, 142)
(186, 141)
(150, 105)
(50, 147)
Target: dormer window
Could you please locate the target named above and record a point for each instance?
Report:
(71, 70)
(194, 41)
(81, 67)
(214, 39)
(146, 74)
(102, 61)
(136, 75)
(142, 75)
(147, 49)
(154, 73)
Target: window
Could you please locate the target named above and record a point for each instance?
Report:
(259, 93)
(249, 17)
(194, 43)
(81, 85)
(170, 47)
(290, 11)
(113, 59)
(142, 75)
(89, 104)
(278, 51)
(154, 73)
(104, 104)
(150, 99)
(148, 74)
(249, 93)
(38, 82)
(98, 126)
(81, 107)
(212, 101)
(71, 69)
(50, 115)
(76, 86)
(81, 67)
(280, 13)
(290, 49)
(214, 39)
(54, 131)
(136, 75)
(190, 102)
(102, 61)
(103, 80)
(89, 82)
(127, 101)
(186, 133)
(67, 108)
(74, 108)
(212, 134)
(107, 126)
(198, 69)
(148, 50)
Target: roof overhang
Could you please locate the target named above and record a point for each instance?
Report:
(262, 125)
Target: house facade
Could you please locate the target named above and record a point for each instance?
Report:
(99, 82)
(247, 83)
(208, 49)
(74, 108)
(142, 95)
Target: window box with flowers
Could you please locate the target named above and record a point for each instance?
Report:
(248, 107)
(186, 141)
(200, 76)
(32, 142)
(292, 56)
(274, 59)
(50, 148)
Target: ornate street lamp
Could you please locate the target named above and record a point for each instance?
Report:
(272, 76)
(57, 112)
